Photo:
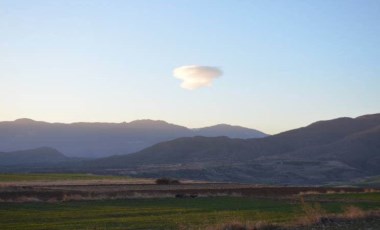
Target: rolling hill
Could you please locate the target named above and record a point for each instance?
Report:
(39, 156)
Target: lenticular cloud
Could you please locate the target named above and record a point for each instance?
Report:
(194, 77)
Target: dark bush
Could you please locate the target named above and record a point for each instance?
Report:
(180, 196)
(167, 181)
(174, 182)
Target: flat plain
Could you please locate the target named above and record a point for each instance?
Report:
(150, 206)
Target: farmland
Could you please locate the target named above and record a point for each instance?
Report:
(53, 177)
(40, 179)
(151, 206)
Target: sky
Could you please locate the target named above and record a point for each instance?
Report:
(270, 65)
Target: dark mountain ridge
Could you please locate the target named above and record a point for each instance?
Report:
(323, 132)
(338, 149)
(201, 148)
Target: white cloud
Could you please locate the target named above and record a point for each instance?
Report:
(194, 76)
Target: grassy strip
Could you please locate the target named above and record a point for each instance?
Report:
(55, 177)
(373, 196)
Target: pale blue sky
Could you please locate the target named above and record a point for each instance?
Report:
(286, 63)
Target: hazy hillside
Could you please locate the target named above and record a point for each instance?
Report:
(103, 139)
(183, 150)
(228, 130)
(333, 150)
(39, 156)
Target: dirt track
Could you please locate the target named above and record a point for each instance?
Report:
(63, 192)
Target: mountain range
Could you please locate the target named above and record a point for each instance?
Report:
(333, 151)
(325, 151)
(93, 140)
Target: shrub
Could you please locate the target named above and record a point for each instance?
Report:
(312, 213)
(166, 181)
(352, 212)
(174, 182)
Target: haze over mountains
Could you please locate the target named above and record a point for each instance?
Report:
(32, 157)
(338, 150)
(86, 139)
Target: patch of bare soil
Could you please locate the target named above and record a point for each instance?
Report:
(65, 192)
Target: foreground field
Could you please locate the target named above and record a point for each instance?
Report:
(167, 213)
(80, 201)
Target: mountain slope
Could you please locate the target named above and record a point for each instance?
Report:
(185, 150)
(360, 150)
(324, 151)
(319, 133)
(39, 156)
(182, 150)
(100, 139)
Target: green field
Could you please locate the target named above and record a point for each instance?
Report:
(351, 197)
(165, 213)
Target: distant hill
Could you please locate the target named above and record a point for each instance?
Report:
(325, 151)
(39, 156)
(85, 139)
(183, 150)
(229, 131)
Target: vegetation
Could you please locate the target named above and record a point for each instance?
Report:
(348, 197)
(54, 177)
(171, 213)
(167, 181)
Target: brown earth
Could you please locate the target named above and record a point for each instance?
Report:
(63, 192)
